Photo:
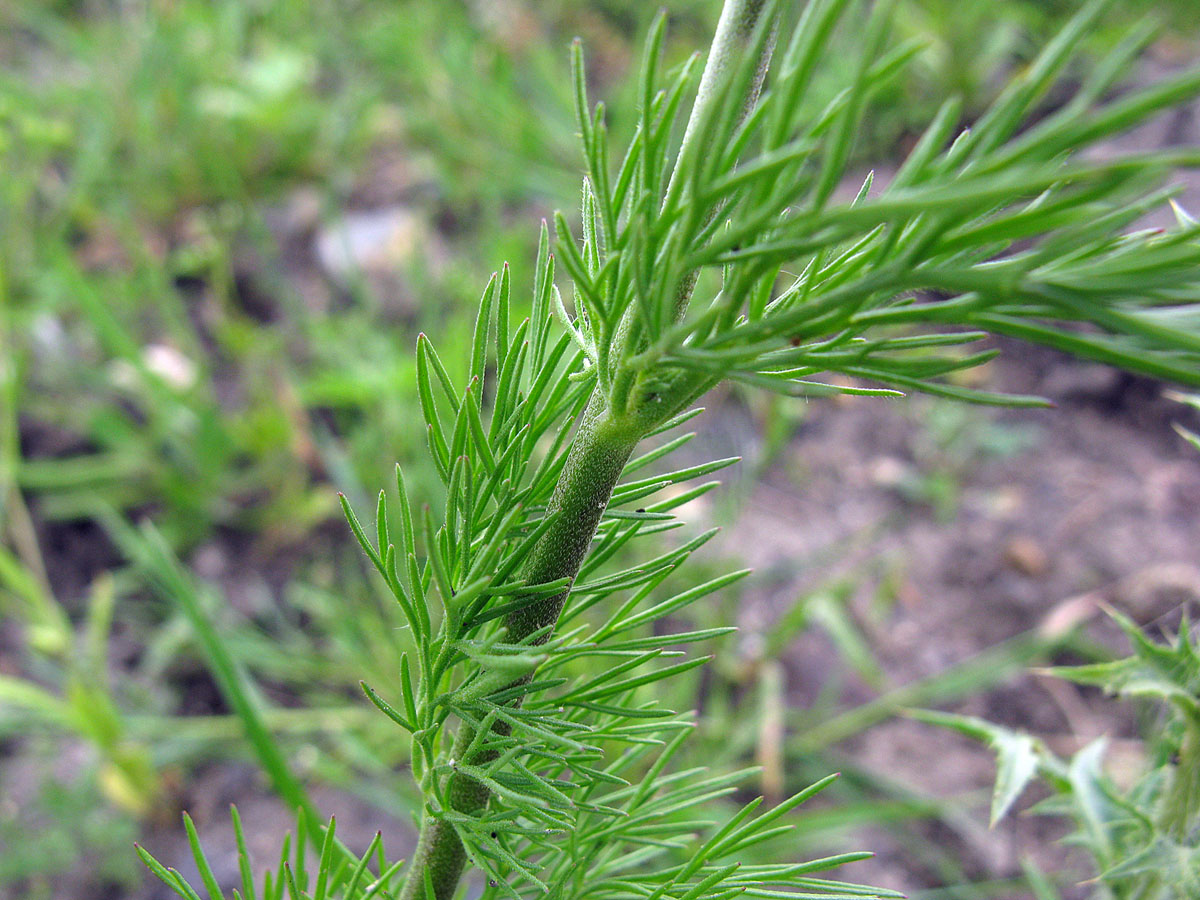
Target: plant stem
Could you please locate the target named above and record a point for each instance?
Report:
(598, 454)
(599, 451)
(735, 30)
(1182, 800)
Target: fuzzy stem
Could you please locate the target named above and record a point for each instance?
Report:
(735, 30)
(1182, 800)
(598, 454)
(600, 449)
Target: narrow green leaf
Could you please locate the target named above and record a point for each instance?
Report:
(387, 709)
(325, 862)
(428, 407)
(170, 877)
(202, 864)
(479, 337)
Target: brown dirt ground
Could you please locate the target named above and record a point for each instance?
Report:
(1102, 506)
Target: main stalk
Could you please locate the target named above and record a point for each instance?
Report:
(599, 451)
(598, 454)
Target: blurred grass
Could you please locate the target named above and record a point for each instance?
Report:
(171, 350)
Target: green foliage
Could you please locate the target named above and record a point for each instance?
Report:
(922, 252)
(526, 622)
(1192, 400)
(145, 310)
(970, 48)
(150, 553)
(337, 874)
(82, 700)
(567, 812)
(69, 823)
(1143, 838)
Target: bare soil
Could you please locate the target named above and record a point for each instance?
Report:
(1102, 506)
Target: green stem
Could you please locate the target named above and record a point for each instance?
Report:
(735, 30)
(1182, 800)
(598, 454)
(602, 446)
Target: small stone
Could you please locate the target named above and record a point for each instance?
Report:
(377, 247)
(1026, 555)
(170, 365)
(888, 471)
(368, 240)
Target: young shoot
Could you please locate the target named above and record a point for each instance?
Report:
(717, 247)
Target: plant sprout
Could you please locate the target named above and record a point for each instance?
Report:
(714, 248)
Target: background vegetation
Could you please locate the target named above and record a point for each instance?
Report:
(222, 226)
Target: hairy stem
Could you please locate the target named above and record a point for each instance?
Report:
(735, 31)
(600, 449)
(597, 456)
(1182, 800)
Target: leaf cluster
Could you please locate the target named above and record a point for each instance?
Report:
(990, 231)
(574, 755)
(1144, 839)
(337, 873)
(685, 277)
